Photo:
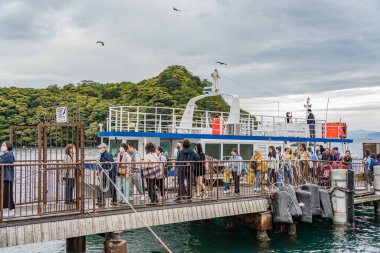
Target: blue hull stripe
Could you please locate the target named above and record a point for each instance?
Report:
(218, 137)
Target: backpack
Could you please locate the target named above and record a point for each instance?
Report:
(372, 163)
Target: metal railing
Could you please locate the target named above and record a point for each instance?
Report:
(56, 189)
(167, 120)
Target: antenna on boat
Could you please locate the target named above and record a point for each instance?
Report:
(307, 105)
(215, 83)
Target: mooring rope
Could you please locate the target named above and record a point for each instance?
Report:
(133, 209)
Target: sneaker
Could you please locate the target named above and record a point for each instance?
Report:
(142, 198)
(368, 188)
(228, 191)
(205, 194)
(225, 192)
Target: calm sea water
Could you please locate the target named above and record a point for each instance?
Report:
(213, 236)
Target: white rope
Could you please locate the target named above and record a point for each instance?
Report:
(134, 210)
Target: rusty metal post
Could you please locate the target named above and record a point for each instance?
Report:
(114, 244)
(217, 180)
(44, 131)
(39, 181)
(82, 166)
(262, 222)
(1, 194)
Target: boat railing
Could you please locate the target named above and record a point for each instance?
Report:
(167, 120)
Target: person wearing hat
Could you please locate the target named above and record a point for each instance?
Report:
(106, 159)
(311, 123)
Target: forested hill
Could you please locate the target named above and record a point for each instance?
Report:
(173, 88)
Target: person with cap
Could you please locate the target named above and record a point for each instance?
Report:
(106, 161)
(311, 123)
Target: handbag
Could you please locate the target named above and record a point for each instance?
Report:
(152, 172)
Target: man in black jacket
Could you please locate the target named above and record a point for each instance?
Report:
(185, 165)
(311, 123)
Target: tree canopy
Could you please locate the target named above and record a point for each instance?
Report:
(89, 101)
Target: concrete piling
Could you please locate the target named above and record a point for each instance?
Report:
(114, 244)
(339, 196)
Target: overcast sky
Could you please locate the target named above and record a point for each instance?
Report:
(291, 49)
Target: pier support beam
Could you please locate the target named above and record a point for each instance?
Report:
(76, 244)
(339, 197)
(262, 222)
(114, 244)
(376, 205)
(292, 230)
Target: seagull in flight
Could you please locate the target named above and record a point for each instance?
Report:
(221, 63)
(175, 9)
(100, 42)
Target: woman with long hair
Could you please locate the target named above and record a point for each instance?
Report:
(271, 158)
(200, 171)
(69, 176)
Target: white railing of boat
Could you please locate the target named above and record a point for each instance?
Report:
(167, 120)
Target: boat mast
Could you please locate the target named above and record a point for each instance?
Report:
(215, 83)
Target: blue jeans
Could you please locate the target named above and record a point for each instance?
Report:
(289, 172)
(124, 183)
(226, 186)
(258, 178)
(280, 178)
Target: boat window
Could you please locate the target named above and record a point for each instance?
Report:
(213, 150)
(114, 147)
(246, 151)
(227, 150)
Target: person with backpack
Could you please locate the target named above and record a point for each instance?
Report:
(257, 165)
(123, 173)
(151, 171)
(136, 171)
(200, 171)
(106, 161)
(185, 165)
(164, 162)
(371, 163)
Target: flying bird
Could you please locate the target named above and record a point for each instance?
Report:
(221, 63)
(175, 9)
(100, 42)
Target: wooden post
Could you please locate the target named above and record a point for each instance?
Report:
(292, 230)
(76, 244)
(114, 244)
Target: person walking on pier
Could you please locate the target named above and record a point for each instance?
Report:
(200, 171)
(136, 179)
(106, 161)
(185, 165)
(123, 173)
(257, 166)
(236, 164)
(371, 163)
(163, 159)
(288, 170)
(304, 157)
(272, 165)
(151, 171)
(9, 175)
(311, 123)
(69, 173)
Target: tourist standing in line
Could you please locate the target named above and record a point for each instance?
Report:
(347, 160)
(287, 160)
(151, 171)
(257, 165)
(271, 159)
(200, 171)
(69, 173)
(280, 168)
(237, 164)
(163, 170)
(185, 165)
(136, 179)
(9, 175)
(378, 159)
(371, 163)
(304, 157)
(311, 123)
(123, 174)
(106, 161)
